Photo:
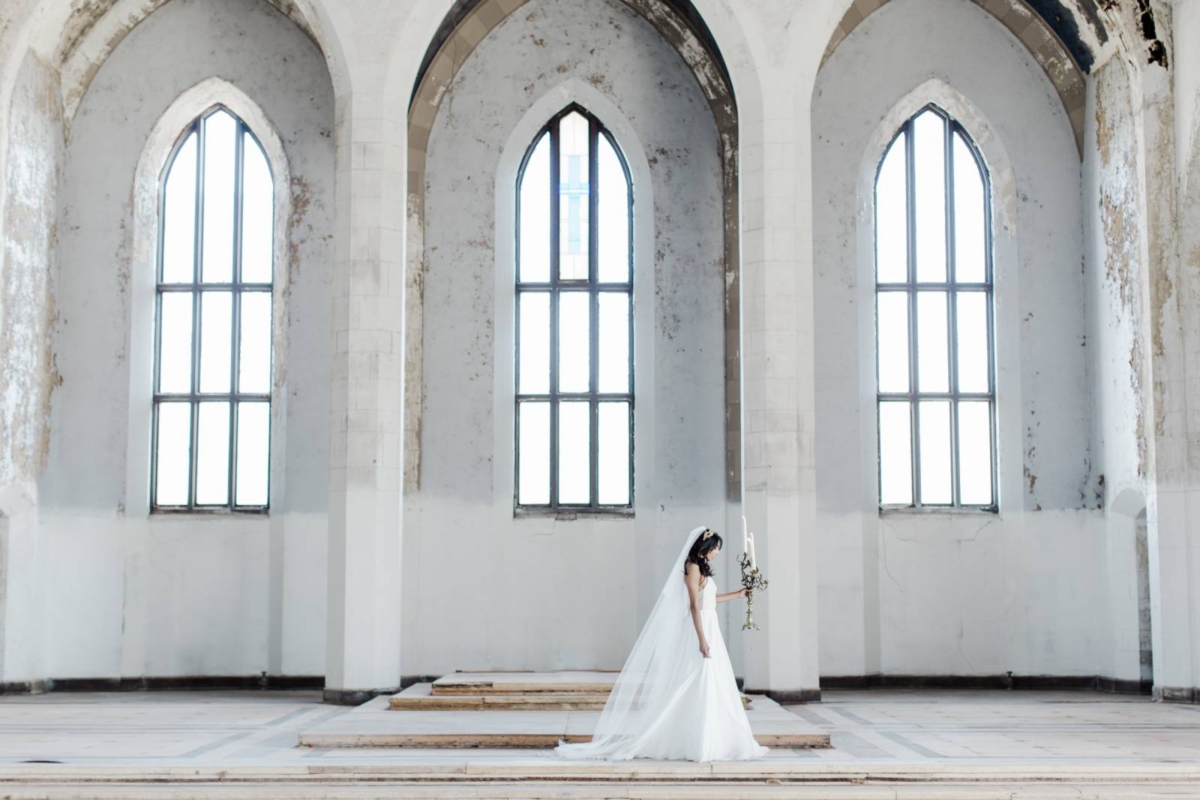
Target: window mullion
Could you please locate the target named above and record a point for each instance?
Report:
(913, 372)
(952, 309)
(235, 338)
(554, 301)
(594, 313)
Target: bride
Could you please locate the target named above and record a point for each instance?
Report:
(676, 696)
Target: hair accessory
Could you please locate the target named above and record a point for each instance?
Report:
(708, 532)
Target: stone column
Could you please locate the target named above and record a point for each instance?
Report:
(365, 504)
(778, 399)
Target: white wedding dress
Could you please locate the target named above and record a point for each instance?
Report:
(670, 702)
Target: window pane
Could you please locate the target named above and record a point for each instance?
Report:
(220, 132)
(929, 166)
(574, 351)
(172, 454)
(975, 452)
(212, 454)
(970, 243)
(574, 453)
(614, 342)
(253, 446)
(175, 342)
(891, 215)
(535, 343)
(932, 355)
(613, 439)
(533, 448)
(179, 216)
(535, 215)
(258, 213)
(573, 193)
(895, 454)
(254, 358)
(613, 234)
(935, 452)
(972, 343)
(216, 330)
(893, 341)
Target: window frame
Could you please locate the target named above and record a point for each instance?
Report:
(555, 287)
(196, 287)
(952, 289)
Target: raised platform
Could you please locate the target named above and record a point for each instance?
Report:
(513, 691)
(373, 724)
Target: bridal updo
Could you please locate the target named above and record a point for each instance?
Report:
(705, 543)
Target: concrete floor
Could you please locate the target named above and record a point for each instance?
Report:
(885, 744)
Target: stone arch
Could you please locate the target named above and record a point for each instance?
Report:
(1061, 64)
(464, 26)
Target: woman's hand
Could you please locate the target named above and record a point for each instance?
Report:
(704, 648)
(742, 592)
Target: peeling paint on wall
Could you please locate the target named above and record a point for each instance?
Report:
(28, 375)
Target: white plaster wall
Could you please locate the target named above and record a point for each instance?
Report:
(483, 588)
(1026, 590)
(186, 595)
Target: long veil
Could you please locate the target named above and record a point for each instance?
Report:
(650, 679)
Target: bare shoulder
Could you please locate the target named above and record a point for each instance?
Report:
(692, 574)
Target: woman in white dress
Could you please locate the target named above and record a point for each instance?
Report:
(676, 697)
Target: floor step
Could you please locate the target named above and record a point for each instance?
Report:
(421, 697)
(562, 682)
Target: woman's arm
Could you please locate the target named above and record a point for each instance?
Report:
(692, 579)
(726, 596)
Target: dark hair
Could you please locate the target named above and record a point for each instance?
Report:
(705, 543)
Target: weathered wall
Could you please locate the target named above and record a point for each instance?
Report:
(186, 594)
(480, 586)
(28, 377)
(968, 593)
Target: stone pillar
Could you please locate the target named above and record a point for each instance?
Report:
(778, 394)
(365, 503)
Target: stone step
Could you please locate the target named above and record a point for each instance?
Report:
(373, 724)
(423, 697)
(525, 682)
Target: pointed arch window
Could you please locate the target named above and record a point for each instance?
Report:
(934, 320)
(213, 321)
(574, 319)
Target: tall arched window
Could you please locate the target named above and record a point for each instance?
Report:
(212, 362)
(574, 320)
(933, 262)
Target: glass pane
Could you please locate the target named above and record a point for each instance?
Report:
(258, 213)
(574, 362)
(254, 358)
(891, 215)
(212, 454)
(929, 167)
(972, 343)
(216, 331)
(535, 215)
(975, 453)
(895, 454)
(253, 447)
(172, 454)
(613, 439)
(935, 452)
(220, 137)
(613, 225)
(535, 343)
(175, 342)
(970, 243)
(614, 342)
(574, 453)
(893, 341)
(179, 216)
(533, 453)
(573, 177)
(933, 373)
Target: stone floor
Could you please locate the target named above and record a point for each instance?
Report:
(885, 744)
